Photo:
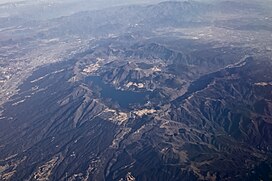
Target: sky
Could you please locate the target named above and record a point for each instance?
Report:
(102, 1)
(8, 1)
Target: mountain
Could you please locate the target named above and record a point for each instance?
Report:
(159, 92)
(219, 128)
